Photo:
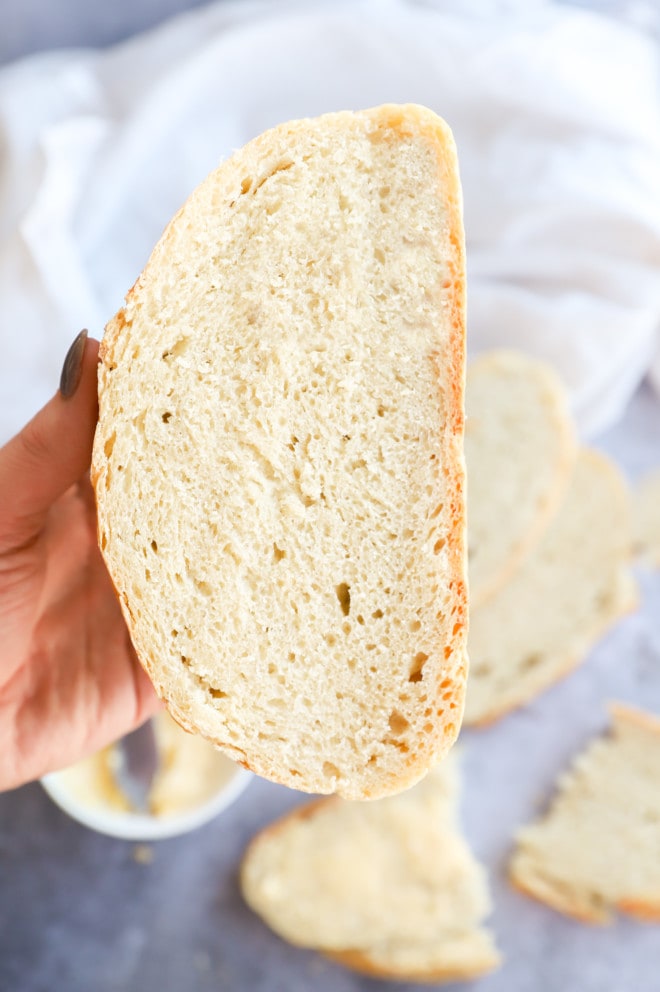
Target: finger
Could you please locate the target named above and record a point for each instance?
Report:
(50, 454)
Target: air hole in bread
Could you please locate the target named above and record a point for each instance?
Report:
(377, 614)
(217, 693)
(371, 647)
(278, 553)
(246, 184)
(414, 626)
(154, 547)
(204, 587)
(417, 666)
(281, 166)
(360, 619)
(343, 592)
(531, 661)
(330, 640)
(346, 627)
(438, 510)
(166, 417)
(109, 444)
(104, 541)
(185, 661)
(330, 770)
(398, 723)
(379, 255)
(438, 546)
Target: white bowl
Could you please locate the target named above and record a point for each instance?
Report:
(139, 826)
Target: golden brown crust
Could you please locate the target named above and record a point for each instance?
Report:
(364, 963)
(565, 906)
(625, 713)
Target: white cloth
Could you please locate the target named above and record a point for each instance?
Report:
(556, 114)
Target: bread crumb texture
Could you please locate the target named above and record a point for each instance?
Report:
(598, 849)
(390, 887)
(278, 463)
(569, 590)
(520, 450)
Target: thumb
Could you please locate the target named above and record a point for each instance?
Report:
(52, 452)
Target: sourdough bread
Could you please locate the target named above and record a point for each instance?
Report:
(520, 450)
(573, 586)
(388, 887)
(598, 848)
(278, 462)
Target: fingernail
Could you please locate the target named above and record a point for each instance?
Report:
(72, 368)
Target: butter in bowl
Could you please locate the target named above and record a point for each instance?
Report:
(189, 784)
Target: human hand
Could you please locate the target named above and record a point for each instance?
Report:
(70, 682)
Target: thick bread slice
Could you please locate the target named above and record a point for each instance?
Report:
(278, 464)
(388, 887)
(564, 596)
(646, 519)
(520, 450)
(598, 848)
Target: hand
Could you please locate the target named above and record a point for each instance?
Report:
(70, 682)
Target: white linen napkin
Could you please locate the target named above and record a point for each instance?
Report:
(556, 114)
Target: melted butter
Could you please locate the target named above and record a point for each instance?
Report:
(191, 772)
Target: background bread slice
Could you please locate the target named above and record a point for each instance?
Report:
(520, 449)
(567, 592)
(646, 518)
(598, 848)
(388, 887)
(278, 463)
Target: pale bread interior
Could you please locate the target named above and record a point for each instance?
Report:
(598, 848)
(646, 518)
(520, 450)
(278, 463)
(389, 886)
(566, 593)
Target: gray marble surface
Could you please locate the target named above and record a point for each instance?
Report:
(80, 912)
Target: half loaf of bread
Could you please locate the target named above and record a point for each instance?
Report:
(389, 888)
(278, 462)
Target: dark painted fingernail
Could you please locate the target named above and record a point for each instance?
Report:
(72, 368)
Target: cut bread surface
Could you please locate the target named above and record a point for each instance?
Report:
(388, 887)
(278, 464)
(597, 849)
(520, 450)
(574, 584)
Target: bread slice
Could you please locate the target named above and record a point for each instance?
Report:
(568, 591)
(646, 519)
(598, 848)
(388, 887)
(278, 463)
(520, 450)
